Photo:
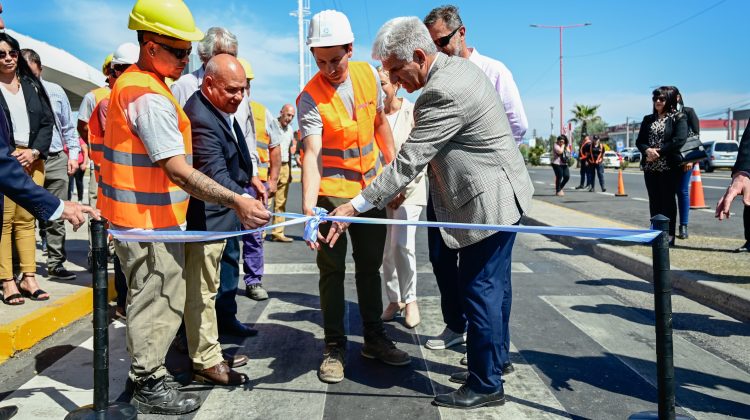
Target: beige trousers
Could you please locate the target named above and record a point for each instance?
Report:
(156, 300)
(202, 281)
(279, 200)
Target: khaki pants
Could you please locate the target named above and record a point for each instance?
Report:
(18, 229)
(156, 300)
(279, 201)
(202, 277)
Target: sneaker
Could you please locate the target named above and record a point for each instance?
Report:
(743, 248)
(256, 292)
(59, 272)
(331, 370)
(446, 339)
(379, 346)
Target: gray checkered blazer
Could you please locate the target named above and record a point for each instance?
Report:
(476, 173)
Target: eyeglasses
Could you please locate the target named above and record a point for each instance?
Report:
(444, 40)
(119, 68)
(178, 53)
(659, 99)
(12, 53)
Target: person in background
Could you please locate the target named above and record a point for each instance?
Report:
(560, 155)
(17, 185)
(286, 143)
(399, 256)
(583, 157)
(662, 134)
(683, 192)
(740, 186)
(595, 165)
(62, 161)
(28, 110)
(76, 180)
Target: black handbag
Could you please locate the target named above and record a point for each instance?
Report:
(692, 151)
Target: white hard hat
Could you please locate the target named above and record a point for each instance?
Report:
(328, 29)
(126, 53)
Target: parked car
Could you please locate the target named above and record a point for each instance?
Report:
(545, 159)
(611, 160)
(631, 154)
(721, 154)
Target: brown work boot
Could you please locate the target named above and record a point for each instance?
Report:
(379, 346)
(220, 374)
(332, 368)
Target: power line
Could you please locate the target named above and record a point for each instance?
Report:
(652, 35)
(542, 75)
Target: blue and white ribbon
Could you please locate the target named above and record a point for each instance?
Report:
(320, 215)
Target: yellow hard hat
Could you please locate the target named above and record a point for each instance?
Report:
(248, 68)
(107, 62)
(165, 17)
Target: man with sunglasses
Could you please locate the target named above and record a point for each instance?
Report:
(146, 181)
(449, 35)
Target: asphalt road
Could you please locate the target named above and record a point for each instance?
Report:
(582, 338)
(633, 209)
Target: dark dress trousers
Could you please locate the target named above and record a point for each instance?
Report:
(218, 154)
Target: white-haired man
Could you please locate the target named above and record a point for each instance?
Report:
(449, 35)
(477, 175)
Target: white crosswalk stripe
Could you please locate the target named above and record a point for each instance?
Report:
(312, 268)
(630, 337)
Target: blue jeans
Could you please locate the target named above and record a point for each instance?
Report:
(683, 196)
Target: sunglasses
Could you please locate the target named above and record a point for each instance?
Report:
(659, 99)
(178, 53)
(12, 53)
(444, 40)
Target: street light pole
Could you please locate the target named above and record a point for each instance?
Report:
(561, 28)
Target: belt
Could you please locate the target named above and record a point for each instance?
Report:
(53, 154)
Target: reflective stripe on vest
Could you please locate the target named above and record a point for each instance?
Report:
(135, 192)
(96, 131)
(349, 152)
(262, 138)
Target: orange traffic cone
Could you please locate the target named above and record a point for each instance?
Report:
(696, 189)
(620, 185)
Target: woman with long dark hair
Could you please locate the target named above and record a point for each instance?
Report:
(560, 155)
(662, 134)
(683, 192)
(28, 111)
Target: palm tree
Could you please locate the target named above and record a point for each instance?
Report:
(584, 115)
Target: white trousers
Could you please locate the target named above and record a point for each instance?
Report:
(399, 258)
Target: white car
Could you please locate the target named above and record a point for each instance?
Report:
(545, 159)
(611, 160)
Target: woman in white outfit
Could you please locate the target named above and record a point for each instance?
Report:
(399, 258)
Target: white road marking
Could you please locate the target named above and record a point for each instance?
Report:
(312, 268)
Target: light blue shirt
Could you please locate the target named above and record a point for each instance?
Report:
(64, 127)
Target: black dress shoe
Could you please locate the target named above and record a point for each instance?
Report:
(462, 377)
(237, 329)
(8, 412)
(154, 397)
(465, 398)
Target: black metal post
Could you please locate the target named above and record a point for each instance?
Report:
(101, 409)
(663, 314)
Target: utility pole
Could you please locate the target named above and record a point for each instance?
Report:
(551, 121)
(303, 9)
(627, 131)
(561, 28)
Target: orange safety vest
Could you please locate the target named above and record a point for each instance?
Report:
(96, 139)
(262, 138)
(349, 151)
(135, 192)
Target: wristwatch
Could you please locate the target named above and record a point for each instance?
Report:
(35, 153)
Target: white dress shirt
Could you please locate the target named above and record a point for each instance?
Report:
(504, 84)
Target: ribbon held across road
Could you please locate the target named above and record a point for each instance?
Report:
(320, 215)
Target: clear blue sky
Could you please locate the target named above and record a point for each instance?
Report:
(631, 47)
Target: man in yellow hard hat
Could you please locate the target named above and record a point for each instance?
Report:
(340, 114)
(146, 180)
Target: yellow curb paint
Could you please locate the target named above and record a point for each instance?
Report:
(26, 331)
